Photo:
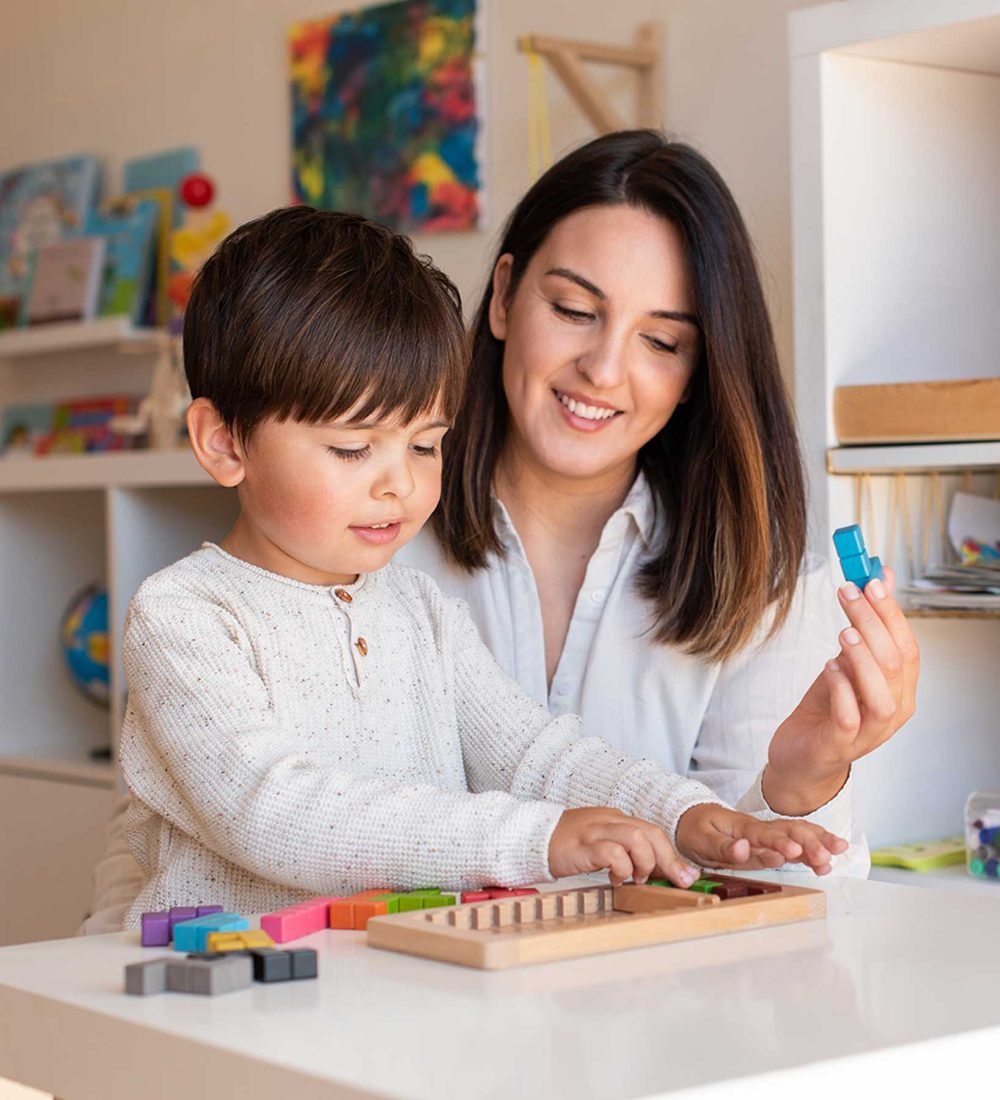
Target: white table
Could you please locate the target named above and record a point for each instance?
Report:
(890, 966)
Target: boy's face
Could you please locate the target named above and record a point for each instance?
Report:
(322, 503)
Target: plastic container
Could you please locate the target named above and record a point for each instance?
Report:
(982, 835)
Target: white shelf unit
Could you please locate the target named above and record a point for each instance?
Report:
(895, 124)
(66, 522)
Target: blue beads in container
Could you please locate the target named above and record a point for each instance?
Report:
(982, 835)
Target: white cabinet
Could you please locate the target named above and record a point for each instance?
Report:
(896, 225)
(66, 522)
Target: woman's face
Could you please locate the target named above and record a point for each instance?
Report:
(600, 341)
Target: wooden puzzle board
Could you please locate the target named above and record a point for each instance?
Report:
(590, 920)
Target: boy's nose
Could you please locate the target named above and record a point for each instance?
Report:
(396, 480)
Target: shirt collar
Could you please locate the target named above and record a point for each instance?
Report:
(637, 505)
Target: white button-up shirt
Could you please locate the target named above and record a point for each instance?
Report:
(711, 720)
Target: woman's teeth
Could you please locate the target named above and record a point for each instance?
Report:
(587, 412)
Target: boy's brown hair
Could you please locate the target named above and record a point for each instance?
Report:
(308, 314)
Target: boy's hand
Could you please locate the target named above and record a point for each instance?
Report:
(716, 836)
(599, 838)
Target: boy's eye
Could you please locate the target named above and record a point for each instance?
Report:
(349, 455)
(572, 314)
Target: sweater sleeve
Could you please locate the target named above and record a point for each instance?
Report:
(203, 748)
(512, 743)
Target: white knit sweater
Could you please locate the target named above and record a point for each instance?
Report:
(284, 740)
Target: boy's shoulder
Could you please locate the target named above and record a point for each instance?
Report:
(201, 578)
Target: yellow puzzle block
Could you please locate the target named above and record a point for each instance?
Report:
(237, 941)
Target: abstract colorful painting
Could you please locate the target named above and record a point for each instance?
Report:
(384, 119)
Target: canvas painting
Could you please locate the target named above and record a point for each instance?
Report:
(384, 114)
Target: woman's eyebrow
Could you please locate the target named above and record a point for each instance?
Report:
(664, 314)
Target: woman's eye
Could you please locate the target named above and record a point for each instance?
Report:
(660, 345)
(348, 455)
(572, 314)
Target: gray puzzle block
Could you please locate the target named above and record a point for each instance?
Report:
(142, 979)
(210, 976)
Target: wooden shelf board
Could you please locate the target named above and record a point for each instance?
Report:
(947, 613)
(76, 336)
(98, 471)
(914, 458)
(64, 769)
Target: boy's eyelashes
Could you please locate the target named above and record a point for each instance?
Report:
(353, 454)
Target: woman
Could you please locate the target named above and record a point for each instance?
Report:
(623, 503)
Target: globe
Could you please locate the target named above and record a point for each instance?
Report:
(85, 643)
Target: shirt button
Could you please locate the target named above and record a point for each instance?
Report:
(598, 595)
(362, 647)
(343, 594)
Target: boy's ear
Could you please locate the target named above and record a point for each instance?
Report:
(213, 443)
(498, 300)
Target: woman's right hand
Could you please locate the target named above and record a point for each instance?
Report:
(599, 838)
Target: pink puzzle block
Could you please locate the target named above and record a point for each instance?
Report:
(296, 921)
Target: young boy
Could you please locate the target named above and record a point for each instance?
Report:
(304, 717)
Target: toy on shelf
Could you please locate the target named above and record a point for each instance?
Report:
(857, 566)
(927, 856)
(982, 835)
(194, 240)
(84, 633)
(564, 924)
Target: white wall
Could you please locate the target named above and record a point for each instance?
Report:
(126, 77)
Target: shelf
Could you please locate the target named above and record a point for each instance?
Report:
(97, 471)
(914, 458)
(85, 772)
(947, 613)
(76, 336)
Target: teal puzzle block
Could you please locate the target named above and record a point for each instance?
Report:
(857, 567)
(192, 935)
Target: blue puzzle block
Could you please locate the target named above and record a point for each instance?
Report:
(192, 935)
(854, 561)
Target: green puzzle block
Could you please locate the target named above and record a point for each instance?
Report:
(426, 892)
(705, 885)
(437, 900)
(407, 903)
(659, 882)
(391, 901)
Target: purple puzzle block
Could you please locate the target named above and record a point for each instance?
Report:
(179, 913)
(156, 928)
(208, 910)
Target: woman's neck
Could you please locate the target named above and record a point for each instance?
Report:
(546, 505)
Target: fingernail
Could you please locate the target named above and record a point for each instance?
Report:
(876, 588)
(851, 636)
(687, 877)
(851, 591)
(833, 666)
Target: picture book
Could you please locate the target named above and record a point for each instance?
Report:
(66, 282)
(40, 204)
(128, 226)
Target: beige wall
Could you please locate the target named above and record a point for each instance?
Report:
(126, 77)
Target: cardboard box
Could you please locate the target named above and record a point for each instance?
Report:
(918, 412)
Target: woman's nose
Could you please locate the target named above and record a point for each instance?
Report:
(604, 365)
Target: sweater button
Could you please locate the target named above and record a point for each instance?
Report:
(343, 594)
(362, 647)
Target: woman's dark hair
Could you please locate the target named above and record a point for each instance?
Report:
(309, 314)
(725, 471)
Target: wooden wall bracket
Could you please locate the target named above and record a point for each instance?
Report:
(567, 57)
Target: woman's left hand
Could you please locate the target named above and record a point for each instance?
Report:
(857, 703)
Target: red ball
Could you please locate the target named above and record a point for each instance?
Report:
(197, 189)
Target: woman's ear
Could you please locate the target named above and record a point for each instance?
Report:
(214, 445)
(498, 300)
